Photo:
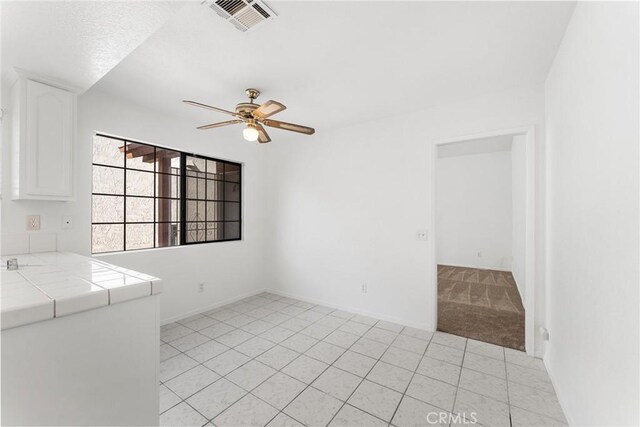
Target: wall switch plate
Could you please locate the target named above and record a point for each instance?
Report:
(33, 222)
(67, 222)
(364, 288)
(421, 235)
(200, 287)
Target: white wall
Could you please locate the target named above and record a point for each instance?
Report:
(320, 235)
(593, 133)
(324, 233)
(344, 205)
(518, 212)
(473, 210)
(228, 269)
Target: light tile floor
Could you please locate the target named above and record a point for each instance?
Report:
(276, 361)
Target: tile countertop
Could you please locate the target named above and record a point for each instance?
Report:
(55, 284)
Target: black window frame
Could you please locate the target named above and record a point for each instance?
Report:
(181, 198)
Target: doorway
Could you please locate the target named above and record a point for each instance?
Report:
(483, 240)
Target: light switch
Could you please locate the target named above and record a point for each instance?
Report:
(421, 235)
(33, 222)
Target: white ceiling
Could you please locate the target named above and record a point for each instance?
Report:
(75, 42)
(476, 146)
(332, 63)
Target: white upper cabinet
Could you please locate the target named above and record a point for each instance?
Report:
(43, 132)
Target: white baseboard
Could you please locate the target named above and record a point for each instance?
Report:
(211, 306)
(379, 316)
(404, 322)
(449, 264)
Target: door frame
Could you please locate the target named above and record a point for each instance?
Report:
(530, 284)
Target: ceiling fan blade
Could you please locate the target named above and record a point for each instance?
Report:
(209, 107)
(268, 109)
(289, 126)
(263, 136)
(220, 124)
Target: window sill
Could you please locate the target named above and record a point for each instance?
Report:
(187, 245)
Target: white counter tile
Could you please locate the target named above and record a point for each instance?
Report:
(119, 292)
(74, 300)
(7, 277)
(23, 259)
(64, 282)
(46, 277)
(18, 311)
(54, 284)
(156, 286)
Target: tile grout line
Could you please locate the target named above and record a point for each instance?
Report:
(278, 411)
(332, 329)
(266, 379)
(233, 370)
(382, 385)
(330, 365)
(202, 363)
(307, 385)
(363, 378)
(455, 398)
(369, 371)
(506, 377)
(411, 379)
(230, 348)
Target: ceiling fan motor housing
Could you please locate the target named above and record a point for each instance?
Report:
(245, 108)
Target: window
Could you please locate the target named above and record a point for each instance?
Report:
(146, 196)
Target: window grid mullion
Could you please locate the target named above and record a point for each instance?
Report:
(181, 200)
(206, 203)
(155, 191)
(224, 205)
(124, 198)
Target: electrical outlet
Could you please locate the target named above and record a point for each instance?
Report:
(421, 235)
(67, 222)
(364, 288)
(33, 222)
(200, 287)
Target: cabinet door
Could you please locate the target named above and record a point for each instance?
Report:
(49, 140)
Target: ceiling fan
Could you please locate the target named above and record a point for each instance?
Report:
(254, 115)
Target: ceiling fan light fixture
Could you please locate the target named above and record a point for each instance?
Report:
(255, 116)
(250, 133)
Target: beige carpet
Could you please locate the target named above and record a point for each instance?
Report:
(480, 304)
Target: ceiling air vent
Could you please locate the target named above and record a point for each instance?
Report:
(243, 14)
